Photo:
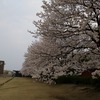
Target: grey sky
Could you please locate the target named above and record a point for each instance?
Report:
(16, 18)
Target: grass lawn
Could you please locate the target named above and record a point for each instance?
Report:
(4, 79)
(27, 89)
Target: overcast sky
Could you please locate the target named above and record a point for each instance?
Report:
(16, 17)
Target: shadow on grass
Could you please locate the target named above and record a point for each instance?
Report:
(15, 87)
(61, 98)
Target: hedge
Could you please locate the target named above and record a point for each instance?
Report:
(77, 80)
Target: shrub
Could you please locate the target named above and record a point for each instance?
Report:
(73, 79)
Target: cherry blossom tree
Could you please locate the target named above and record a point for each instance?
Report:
(69, 32)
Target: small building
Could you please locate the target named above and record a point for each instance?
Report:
(2, 63)
(17, 73)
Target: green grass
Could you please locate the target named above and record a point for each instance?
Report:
(4, 79)
(27, 89)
